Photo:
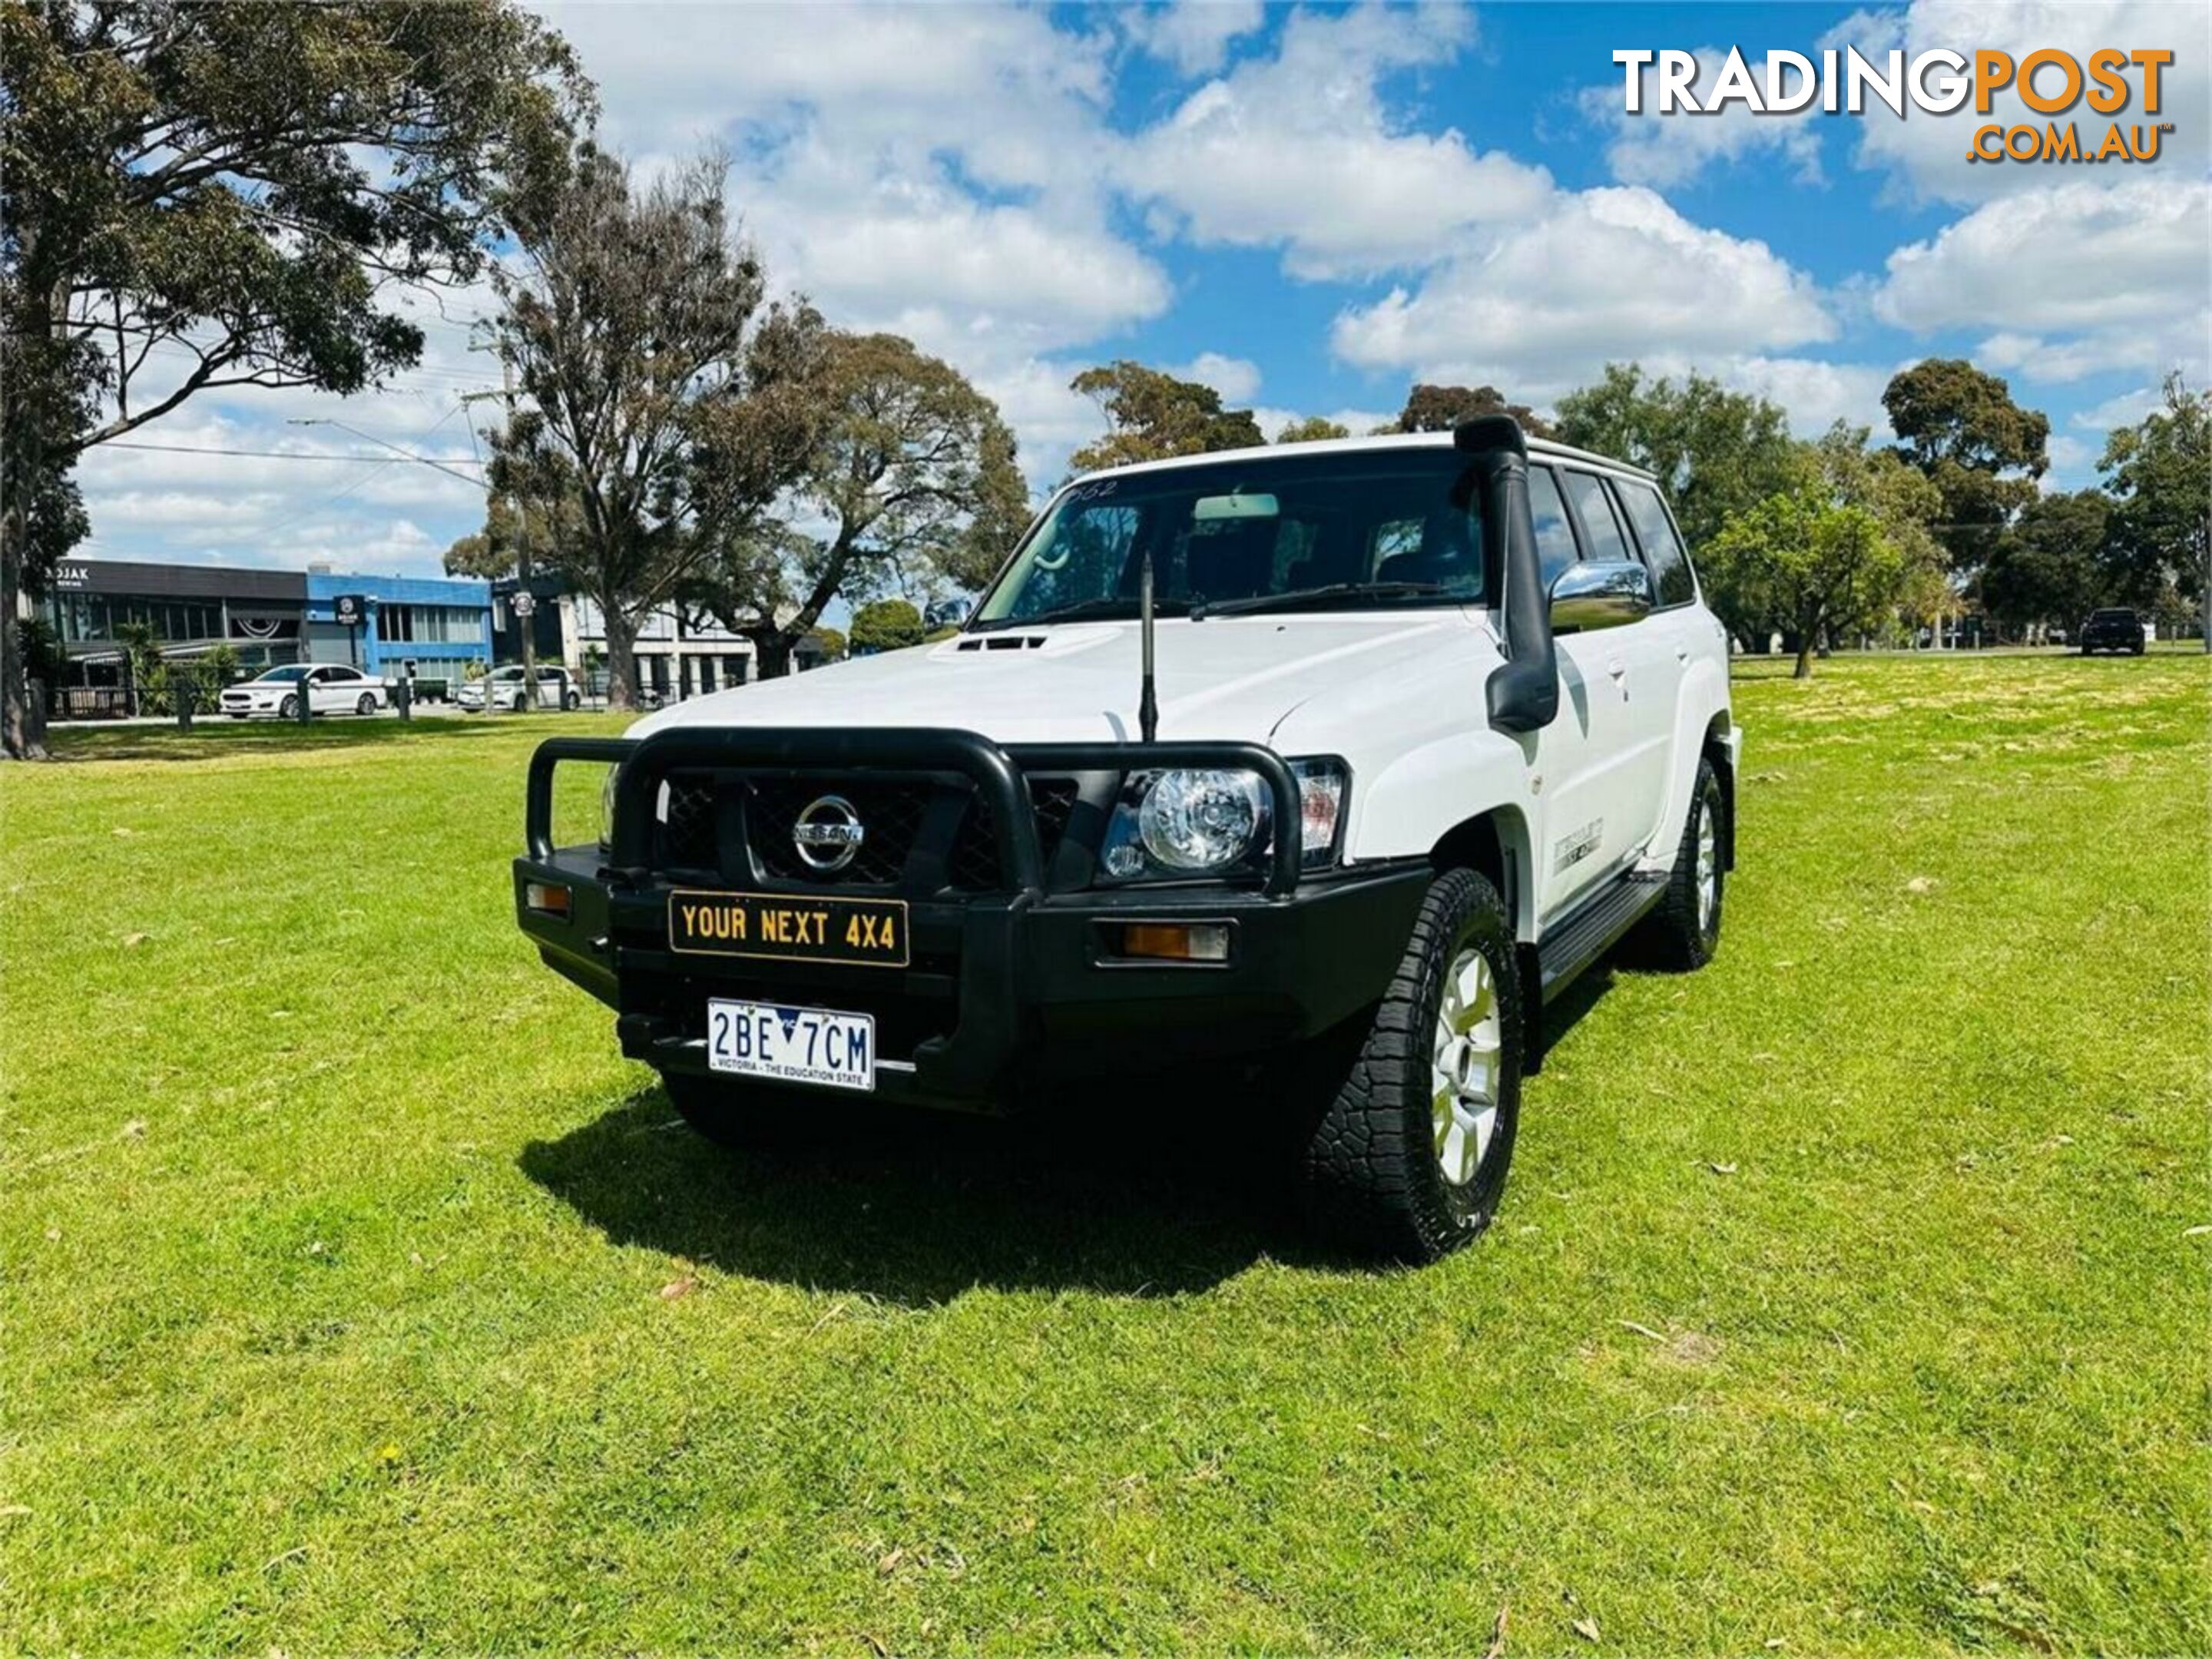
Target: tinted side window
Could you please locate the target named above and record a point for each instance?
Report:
(1601, 532)
(1555, 537)
(1663, 548)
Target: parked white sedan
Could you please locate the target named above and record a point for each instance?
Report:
(332, 689)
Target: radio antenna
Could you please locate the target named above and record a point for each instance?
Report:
(1148, 703)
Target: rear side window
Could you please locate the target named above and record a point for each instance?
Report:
(1601, 531)
(1555, 537)
(1663, 548)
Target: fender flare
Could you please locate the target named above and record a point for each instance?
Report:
(1701, 710)
(1449, 799)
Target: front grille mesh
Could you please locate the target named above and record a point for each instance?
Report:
(686, 828)
(894, 812)
(890, 813)
(973, 864)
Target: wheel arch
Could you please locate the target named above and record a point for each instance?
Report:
(1494, 843)
(1702, 727)
(1719, 748)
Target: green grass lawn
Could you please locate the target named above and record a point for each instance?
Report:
(1849, 1296)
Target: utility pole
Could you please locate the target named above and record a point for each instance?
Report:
(524, 568)
(491, 611)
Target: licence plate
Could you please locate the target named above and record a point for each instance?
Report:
(869, 933)
(792, 1045)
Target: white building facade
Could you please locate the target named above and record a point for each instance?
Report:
(679, 655)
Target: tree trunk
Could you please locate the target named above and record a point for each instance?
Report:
(1808, 641)
(772, 649)
(22, 719)
(622, 656)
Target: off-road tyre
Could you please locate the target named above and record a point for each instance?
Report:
(1370, 1174)
(1677, 935)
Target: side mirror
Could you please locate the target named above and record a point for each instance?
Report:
(1588, 596)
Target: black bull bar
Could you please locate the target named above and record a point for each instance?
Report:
(996, 771)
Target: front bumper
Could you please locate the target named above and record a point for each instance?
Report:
(1006, 990)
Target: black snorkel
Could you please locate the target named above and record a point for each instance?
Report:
(1524, 693)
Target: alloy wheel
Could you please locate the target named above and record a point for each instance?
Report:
(1708, 869)
(1464, 1067)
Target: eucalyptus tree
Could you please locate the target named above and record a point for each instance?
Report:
(196, 197)
(664, 403)
(2160, 473)
(1152, 415)
(911, 470)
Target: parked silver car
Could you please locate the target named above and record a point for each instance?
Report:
(504, 688)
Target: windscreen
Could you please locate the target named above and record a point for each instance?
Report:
(292, 672)
(1345, 529)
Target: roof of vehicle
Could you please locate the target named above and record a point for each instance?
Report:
(1537, 447)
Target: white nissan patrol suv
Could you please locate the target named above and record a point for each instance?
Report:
(1353, 752)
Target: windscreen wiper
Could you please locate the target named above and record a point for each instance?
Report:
(1302, 595)
(1104, 605)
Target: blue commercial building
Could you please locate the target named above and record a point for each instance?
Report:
(440, 624)
(268, 617)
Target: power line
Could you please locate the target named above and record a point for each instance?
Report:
(292, 454)
(405, 381)
(337, 496)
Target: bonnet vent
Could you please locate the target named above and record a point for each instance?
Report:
(1003, 642)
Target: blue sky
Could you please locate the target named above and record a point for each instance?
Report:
(1310, 208)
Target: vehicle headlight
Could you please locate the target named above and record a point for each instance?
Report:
(1193, 822)
(1209, 821)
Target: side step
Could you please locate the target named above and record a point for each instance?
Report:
(1572, 945)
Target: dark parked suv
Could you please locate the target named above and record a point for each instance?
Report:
(2116, 629)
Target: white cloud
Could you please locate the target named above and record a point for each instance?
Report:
(2076, 279)
(1299, 151)
(934, 171)
(1237, 379)
(2073, 256)
(914, 247)
(1194, 36)
(1927, 153)
(965, 176)
(1814, 394)
(1000, 85)
(2071, 460)
(1652, 148)
(2124, 408)
(1607, 274)
(2052, 362)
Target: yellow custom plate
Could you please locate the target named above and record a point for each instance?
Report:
(783, 927)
